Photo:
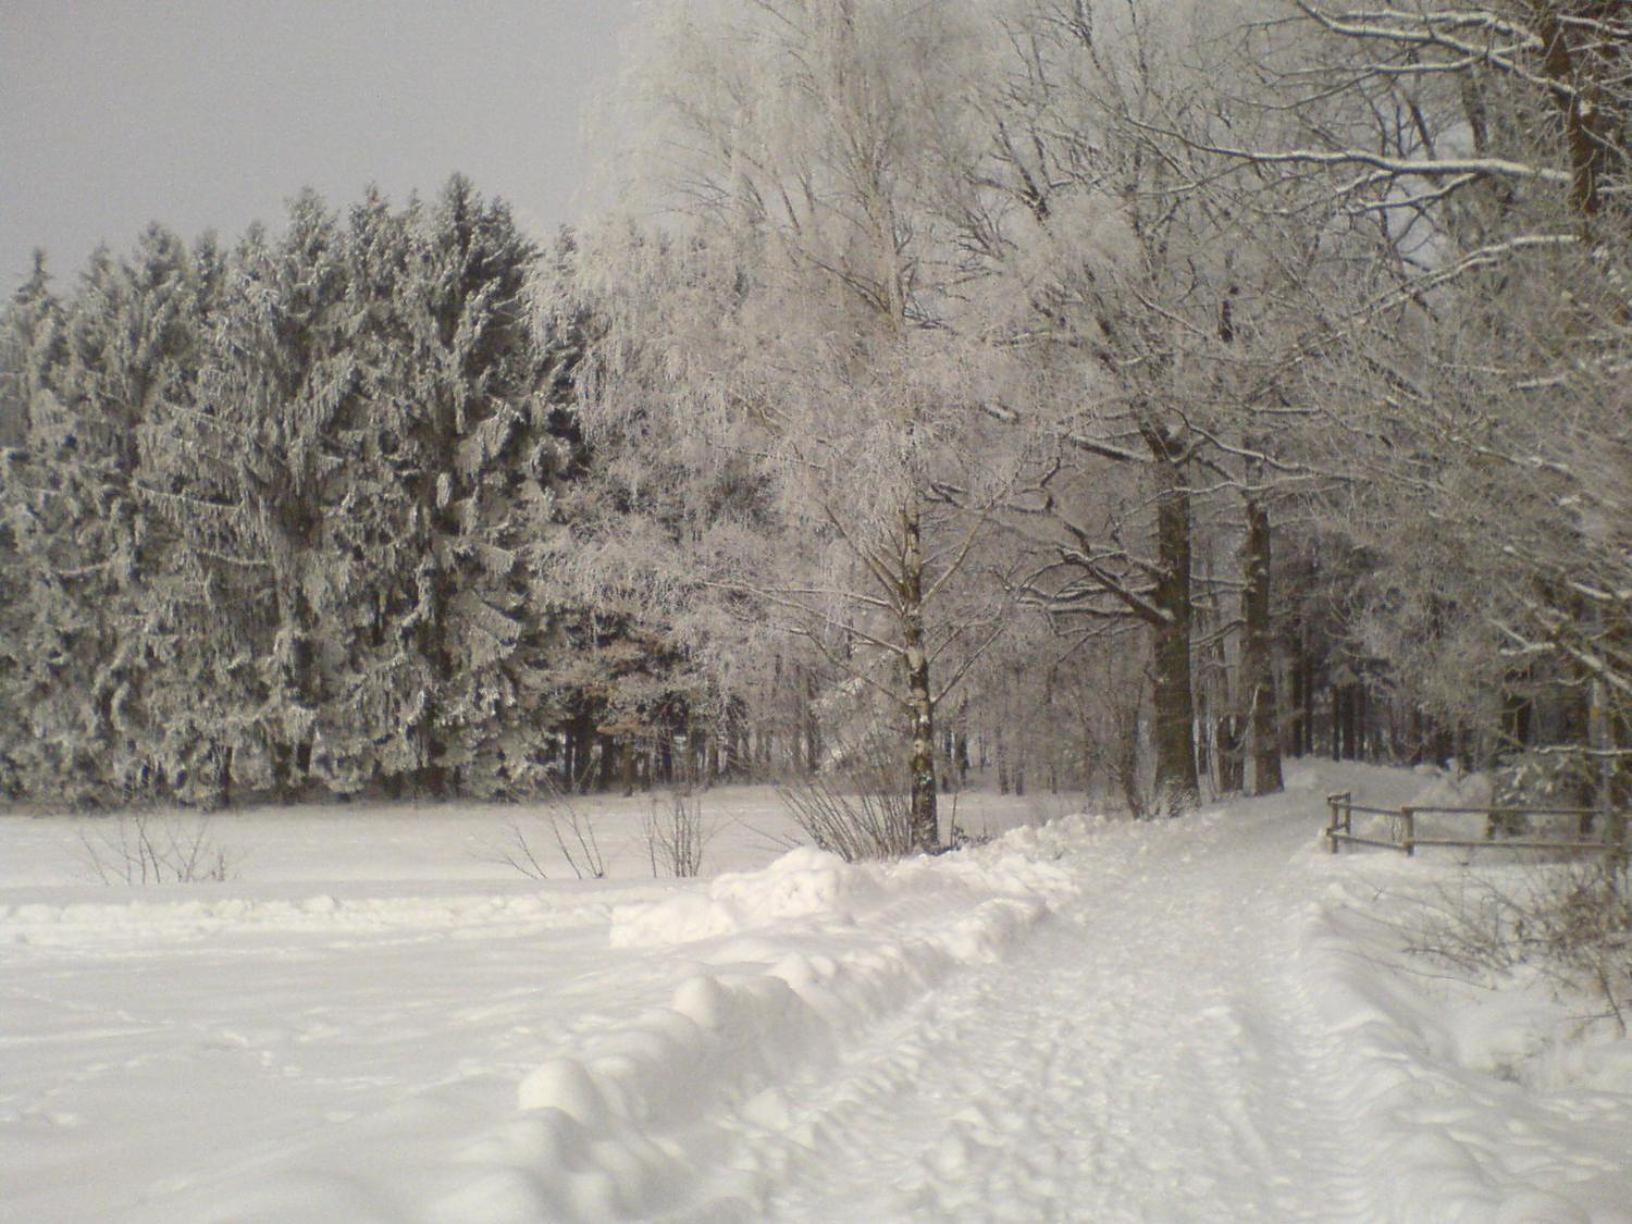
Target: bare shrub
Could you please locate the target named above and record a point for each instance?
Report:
(1573, 924)
(677, 835)
(573, 831)
(154, 848)
(516, 851)
(960, 838)
(860, 812)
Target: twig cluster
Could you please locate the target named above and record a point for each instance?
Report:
(147, 848)
(677, 835)
(862, 813)
(574, 834)
(1572, 924)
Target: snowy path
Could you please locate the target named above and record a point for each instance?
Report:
(1148, 1055)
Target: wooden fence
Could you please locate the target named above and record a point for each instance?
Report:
(1406, 827)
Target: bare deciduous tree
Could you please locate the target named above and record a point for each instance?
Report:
(793, 316)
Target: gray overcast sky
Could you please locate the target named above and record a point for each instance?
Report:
(211, 113)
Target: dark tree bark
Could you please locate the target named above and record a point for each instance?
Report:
(960, 751)
(813, 726)
(1262, 756)
(921, 701)
(1308, 662)
(1176, 779)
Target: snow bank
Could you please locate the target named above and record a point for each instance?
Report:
(1446, 1135)
(610, 1128)
(802, 883)
(815, 885)
(1452, 789)
(98, 922)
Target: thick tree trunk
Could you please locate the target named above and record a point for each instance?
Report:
(1363, 738)
(1230, 763)
(1308, 699)
(1295, 675)
(627, 755)
(960, 745)
(920, 697)
(813, 726)
(1263, 740)
(223, 778)
(1176, 780)
(583, 734)
(1335, 692)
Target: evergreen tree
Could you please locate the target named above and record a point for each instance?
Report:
(206, 580)
(83, 537)
(32, 348)
(289, 516)
(376, 681)
(279, 381)
(477, 456)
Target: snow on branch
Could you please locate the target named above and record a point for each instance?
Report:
(1399, 167)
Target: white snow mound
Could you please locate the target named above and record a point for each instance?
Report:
(610, 1127)
(802, 883)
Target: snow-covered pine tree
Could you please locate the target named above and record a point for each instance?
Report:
(288, 517)
(85, 539)
(375, 678)
(477, 457)
(30, 345)
(278, 381)
(32, 348)
(207, 578)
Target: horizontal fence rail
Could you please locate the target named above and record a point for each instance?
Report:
(1404, 824)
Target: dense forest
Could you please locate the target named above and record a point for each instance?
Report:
(1106, 396)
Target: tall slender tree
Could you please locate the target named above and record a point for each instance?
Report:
(797, 312)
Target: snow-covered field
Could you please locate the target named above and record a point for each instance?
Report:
(374, 1018)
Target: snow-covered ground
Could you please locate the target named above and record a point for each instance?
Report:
(373, 1018)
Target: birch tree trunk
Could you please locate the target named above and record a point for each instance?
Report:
(921, 701)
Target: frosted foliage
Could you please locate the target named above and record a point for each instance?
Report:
(1088, 238)
(277, 515)
(786, 278)
(83, 536)
(1495, 430)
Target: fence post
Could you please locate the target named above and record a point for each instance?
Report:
(1410, 846)
(1339, 805)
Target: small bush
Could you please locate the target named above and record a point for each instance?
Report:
(153, 848)
(1573, 924)
(861, 812)
(677, 835)
(1544, 779)
(574, 834)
